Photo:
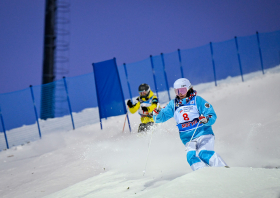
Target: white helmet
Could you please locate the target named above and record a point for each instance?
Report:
(182, 82)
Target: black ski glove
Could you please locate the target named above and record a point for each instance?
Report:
(129, 104)
(144, 108)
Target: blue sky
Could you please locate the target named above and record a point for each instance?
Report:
(125, 29)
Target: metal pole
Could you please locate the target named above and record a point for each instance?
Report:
(213, 63)
(124, 65)
(69, 104)
(165, 76)
(35, 110)
(121, 90)
(239, 61)
(192, 137)
(128, 123)
(180, 60)
(191, 140)
(4, 129)
(144, 171)
(124, 121)
(260, 51)
(152, 64)
(126, 116)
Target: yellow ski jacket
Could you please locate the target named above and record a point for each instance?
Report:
(150, 102)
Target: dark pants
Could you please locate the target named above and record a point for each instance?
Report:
(145, 126)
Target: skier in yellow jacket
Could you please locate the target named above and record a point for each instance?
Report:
(145, 105)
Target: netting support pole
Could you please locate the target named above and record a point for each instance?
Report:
(68, 100)
(124, 66)
(213, 63)
(239, 60)
(152, 64)
(98, 102)
(128, 122)
(165, 76)
(260, 51)
(35, 110)
(180, 60)
(122, 92)
(4, 129)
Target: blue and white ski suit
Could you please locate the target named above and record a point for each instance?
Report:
(200, 151)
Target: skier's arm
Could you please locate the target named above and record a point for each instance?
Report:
(206, 109)
(166, 113)
(153, 105)
(135, 107)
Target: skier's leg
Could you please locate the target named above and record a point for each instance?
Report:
(141, 127)
(146, 123)
(206, 151)
(192, 158)
(149, 125)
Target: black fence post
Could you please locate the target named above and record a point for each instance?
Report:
(165, 76)
(152, 63)
(68, 100)
(124, 66)
(260, 52)
(4, 129)
(35, 109)
(238, 55)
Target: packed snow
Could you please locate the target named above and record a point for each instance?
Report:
(90, 162)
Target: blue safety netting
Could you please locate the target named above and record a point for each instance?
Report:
(17, 109)
(52, 107)
(172, 67)
(249, 54)
(82, 92)
(57, 112)
(50, 100)
(161, 79)
(18, 114)
(83, 100)
(124, 82)
(138, 73)
(226, 59)
(270, 48)
(197, 64)
(1, 124)
(159, 73)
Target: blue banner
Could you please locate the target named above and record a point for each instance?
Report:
(108, 89)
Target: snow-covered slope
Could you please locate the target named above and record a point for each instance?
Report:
(90, 162)
(208, 182)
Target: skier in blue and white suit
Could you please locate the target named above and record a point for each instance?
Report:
(190, 110)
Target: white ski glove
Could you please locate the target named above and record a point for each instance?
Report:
(203, 119)
(156, 110)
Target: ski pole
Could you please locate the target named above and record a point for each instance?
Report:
(124, 121)
(192, 136)
(144, 171)
(191, 140)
